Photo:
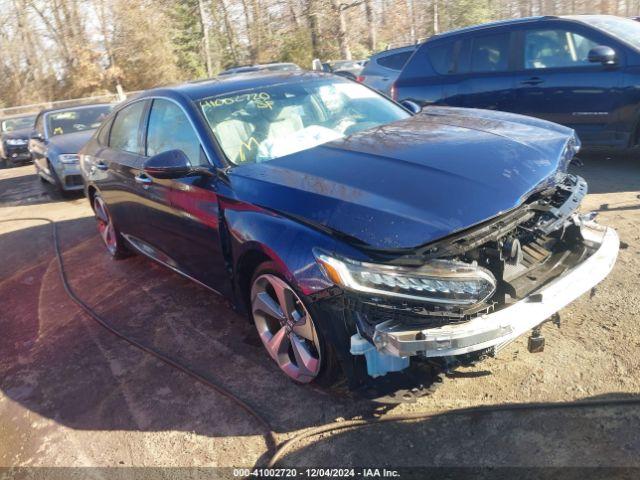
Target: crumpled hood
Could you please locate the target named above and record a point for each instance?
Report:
(70, 142)
(414, 181)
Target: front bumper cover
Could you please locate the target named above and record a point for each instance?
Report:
(495, 330)
(70, 176)
(17, 153)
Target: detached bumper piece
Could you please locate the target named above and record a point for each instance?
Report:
(489, 331)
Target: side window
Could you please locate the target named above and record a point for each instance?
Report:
(170, 129)
(490, 53)
(442, 57)
(103, 133)
(556, 48)
(126, 128)
(395, 61)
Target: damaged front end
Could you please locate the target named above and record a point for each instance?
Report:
(478, 290)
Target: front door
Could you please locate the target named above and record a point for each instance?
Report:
(181, 215)
(555, 81)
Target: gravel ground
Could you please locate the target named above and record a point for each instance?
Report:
(73, 395)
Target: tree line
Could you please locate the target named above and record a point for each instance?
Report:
(60, 49)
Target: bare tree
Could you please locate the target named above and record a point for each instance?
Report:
(53, 49)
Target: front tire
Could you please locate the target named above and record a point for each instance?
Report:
(109, 234)
(288, 331)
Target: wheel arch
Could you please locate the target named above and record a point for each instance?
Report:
(258, 236)
(246, 266)
(91, 194)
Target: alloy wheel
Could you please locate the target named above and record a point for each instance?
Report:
(105, 225)
(286, 328)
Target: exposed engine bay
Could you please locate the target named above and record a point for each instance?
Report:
(524, 250)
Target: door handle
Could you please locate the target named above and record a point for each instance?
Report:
(532, 81)
(143, 180)
(100, 165)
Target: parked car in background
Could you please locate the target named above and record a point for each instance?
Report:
(269, 67)
(325, 211)
(580, 71)
(57, 136)
(384, 67)
(346, 68)
(14, 139)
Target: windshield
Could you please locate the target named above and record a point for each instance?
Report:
(11, 124)
(625, 29)
(261, 124)
(76, 120)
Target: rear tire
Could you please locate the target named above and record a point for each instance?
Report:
(292, 337)
(109, 234)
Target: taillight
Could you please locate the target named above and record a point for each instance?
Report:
(360, 79)
(393, 92)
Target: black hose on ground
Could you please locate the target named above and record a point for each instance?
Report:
(270, 435)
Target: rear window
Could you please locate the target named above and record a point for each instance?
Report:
(126, 128)
(395, 61)
(441, 57)
(103, 133)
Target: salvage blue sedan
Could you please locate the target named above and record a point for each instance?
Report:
(359, 235)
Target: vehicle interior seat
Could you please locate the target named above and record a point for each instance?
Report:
(486, 60)
(236, 138)
(286, 122)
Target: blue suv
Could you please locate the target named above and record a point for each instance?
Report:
(580, 71)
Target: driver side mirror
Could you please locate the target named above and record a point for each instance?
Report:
(413, 107)
(602, 54)
(169, 164)
(36, 135)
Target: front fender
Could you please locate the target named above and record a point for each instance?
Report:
(289, 244)
(284, 241)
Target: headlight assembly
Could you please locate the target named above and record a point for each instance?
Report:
(69, 158)
(14, 142)
(571, 149)
(445, 282)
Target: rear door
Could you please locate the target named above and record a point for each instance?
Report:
(114, 167)
(483, 72)
(555, 80)
(181, 215)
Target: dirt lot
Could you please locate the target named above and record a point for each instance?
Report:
(72, 394)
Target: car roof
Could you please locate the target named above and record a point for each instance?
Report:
(234, 83)
(394, 50)
(259, 65)
(21, 115)
(514, 21)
